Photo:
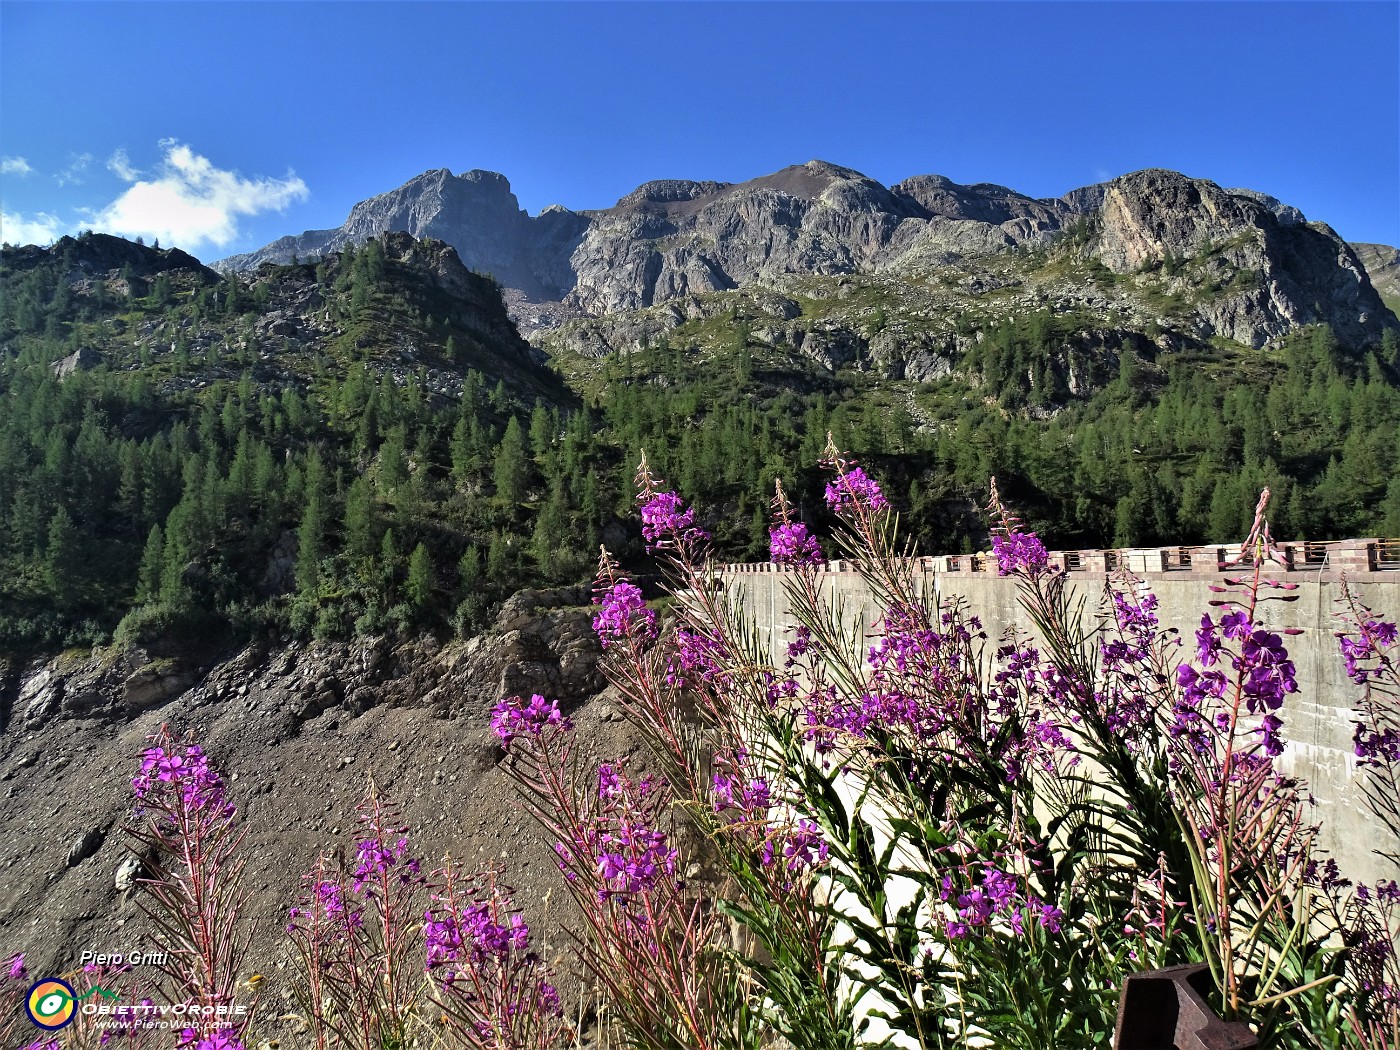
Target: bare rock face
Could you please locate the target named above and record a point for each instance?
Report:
(1298, 273)
(674, 239)
(475, 212)
(1382, 264)
(79, 360)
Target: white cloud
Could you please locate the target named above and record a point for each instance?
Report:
(119, 164)
(14, 166)
(40, 228)
(75, 171)
(190, 202)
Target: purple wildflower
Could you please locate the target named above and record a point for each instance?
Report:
(1019, 553)
(375, 859)
(1376, 747)
(802, 847)
(16, 967)
(699, 655)
(854, 489)
(735, 789)
(1207, 642)
(187, 775)
(512, 717)
(665, 523)
(1269, 674)
(623, 614)
(1375, 635)
(791, 544)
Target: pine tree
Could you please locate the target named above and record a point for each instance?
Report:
(152, 563)
(361, 535)
(510, 465)
(389, 566)
(311, 536)
(498, 559)
(419, 586)
(61, 558)
(469, 578)
(550, 526)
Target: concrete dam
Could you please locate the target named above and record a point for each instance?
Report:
(1318, 718)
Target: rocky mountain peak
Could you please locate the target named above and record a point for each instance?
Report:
(1277, 271)
(1284, 213)
(1154, 214)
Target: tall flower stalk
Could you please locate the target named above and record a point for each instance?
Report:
(193, 893)
(494, 991)
(358, 933)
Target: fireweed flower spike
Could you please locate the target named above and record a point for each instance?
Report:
(1017, 552)
(792, 544)
(493, 990)
(622, 613)
(666, 523)
(852, 490)
(184, 817)
(789, 541)
(358, 936)
(514, 717)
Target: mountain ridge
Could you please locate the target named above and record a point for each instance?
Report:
(670, 239)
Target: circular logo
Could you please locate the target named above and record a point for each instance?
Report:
(51, 1003)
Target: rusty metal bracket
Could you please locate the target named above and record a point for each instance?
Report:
(1167, 1010)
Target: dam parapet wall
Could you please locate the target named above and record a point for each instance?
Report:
(1318, 718)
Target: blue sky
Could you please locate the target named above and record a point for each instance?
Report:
(219, 126)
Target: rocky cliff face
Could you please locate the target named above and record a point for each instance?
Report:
(1264, 269)
(1275, 272)
(1382, 264)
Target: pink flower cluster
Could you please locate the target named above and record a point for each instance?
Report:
(513, 717)
(1361, 652)
(853, 490)
(186, 776)
(801, 846)
(375, 859)
(325, 904)
(700, 656)
(1262, 665)
(996, 894)
(633, 855)
(666, 522)
(1019, 554)
(623, 615)
(738, 792)
(792, 544)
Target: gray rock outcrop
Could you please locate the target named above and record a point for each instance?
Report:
(1297, 273)
(1382, 264)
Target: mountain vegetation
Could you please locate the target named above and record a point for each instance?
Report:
(364, 443)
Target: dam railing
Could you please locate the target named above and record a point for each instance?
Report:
(1330, 559)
